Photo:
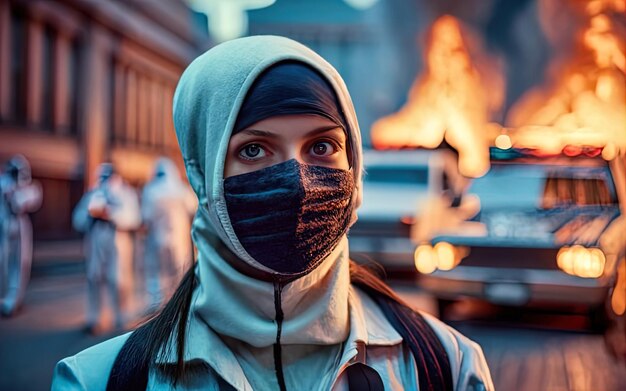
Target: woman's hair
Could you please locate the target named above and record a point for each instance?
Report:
(154, 340)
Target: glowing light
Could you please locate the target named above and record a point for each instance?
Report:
(609, 152)
(446, 256)
(503, 141)
(597, 261)
(227, 18)
(582, 262)
(565, 260)
(425, 259)
(442, 256)
(572, 150)
(361, 4)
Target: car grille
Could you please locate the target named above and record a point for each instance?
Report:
(512, 257)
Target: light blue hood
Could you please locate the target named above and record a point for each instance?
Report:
(206, 104)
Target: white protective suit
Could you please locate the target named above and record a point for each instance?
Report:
(328, 322)
(107, 214)
(167, 208)
(19, 195)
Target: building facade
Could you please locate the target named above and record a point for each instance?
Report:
(88, 81)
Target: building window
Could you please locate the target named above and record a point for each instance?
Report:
(47, 79)
(141, 109)
(18, 67)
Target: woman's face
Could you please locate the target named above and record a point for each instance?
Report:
(309, 139)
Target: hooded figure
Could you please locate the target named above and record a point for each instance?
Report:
(106, 214)
(19, 195)
(167, 206)
(272, 149)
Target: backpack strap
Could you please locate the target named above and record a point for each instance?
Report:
(363, 378)
(431, 359)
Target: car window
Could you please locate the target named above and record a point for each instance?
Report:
(536, 186)
(565, 191)
(397, 175)
(515, 186)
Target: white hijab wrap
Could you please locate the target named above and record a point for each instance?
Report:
(206, 104)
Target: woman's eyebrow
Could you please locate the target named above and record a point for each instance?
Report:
(323, 129)
(313, 132)
(261, 133)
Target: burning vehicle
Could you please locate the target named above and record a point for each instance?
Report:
(536, 210)
(546, 230)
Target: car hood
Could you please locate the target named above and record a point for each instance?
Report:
(554, 228)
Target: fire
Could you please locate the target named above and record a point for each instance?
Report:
(449, 101)
(582, 106)
(586, 103)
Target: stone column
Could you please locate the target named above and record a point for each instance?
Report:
(120, 111)
(131, 108)
(61, 101)
(143, 107)
(96, 84)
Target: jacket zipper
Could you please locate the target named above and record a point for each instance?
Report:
(278, 361)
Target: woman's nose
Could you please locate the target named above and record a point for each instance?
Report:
(295, 154)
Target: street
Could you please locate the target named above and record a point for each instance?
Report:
(523, 353)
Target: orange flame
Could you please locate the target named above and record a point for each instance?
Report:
(449, 101)
(586, 104)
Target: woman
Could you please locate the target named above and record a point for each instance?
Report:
(273, 151)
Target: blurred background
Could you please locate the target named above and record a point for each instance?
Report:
(495, 137)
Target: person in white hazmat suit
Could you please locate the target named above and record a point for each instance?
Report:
(107, 214)
(19, 195)
(167, 208)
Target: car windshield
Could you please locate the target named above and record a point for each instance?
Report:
(526, 187)
(410, 176)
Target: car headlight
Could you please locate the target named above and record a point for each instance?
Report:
(580, 261)
(441, 256)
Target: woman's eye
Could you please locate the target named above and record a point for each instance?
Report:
(252, 152)
(323, 148)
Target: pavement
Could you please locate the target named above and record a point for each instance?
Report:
(46, 329)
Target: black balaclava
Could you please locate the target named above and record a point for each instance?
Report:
(290, 216)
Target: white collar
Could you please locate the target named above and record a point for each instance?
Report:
(315, 306)
(368, 327)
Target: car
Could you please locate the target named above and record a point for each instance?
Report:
(535, 230)
(395, 183)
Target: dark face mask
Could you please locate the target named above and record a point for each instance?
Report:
(290, 216)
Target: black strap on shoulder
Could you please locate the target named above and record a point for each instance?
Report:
(433, 364)
(363, 378)
(130, 372)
